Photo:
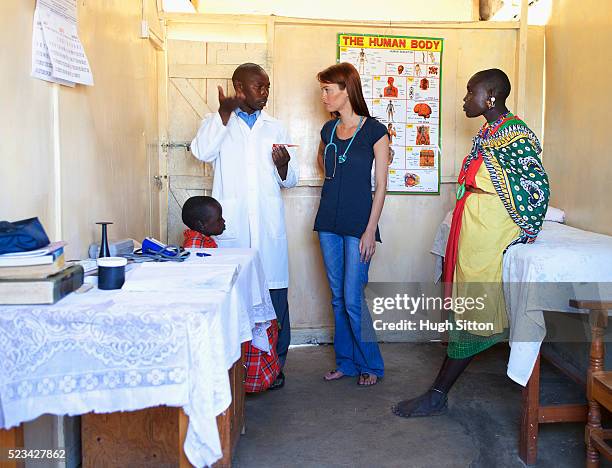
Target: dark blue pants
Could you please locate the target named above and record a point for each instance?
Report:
(281, 307)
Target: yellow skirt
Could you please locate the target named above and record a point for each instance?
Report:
(486, 230)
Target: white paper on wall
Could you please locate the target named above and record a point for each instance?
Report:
(57, 52)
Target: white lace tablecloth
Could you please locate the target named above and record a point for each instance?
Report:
(107, 351)
(563, 263)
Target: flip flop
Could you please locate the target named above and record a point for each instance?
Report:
(334, 371)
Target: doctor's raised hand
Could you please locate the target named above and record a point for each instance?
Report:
(228, 104)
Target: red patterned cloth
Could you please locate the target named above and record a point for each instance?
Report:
(468, 177)
(197, 240)
(261, 368)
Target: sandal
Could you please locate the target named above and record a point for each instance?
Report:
(333, 375)
(364, 377)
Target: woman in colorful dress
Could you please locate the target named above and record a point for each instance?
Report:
(501, 201)
(347, 218)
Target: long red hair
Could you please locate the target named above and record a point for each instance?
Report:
(346, 77)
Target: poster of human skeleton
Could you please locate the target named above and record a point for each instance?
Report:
(400, 77)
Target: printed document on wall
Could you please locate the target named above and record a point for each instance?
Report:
(57, 52)
(42, 67)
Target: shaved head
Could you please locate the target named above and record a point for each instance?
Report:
(252, 85)
(245, 71)
(495, 81)
(200, 209)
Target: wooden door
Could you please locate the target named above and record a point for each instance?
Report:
(195, 69)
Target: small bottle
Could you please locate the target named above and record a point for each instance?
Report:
(104, 249)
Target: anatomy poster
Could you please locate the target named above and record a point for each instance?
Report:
(400, 77)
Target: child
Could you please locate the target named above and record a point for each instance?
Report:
(203, 217)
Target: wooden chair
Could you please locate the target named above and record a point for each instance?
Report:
(599, 383)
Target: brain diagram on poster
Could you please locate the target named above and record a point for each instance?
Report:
(400, 77)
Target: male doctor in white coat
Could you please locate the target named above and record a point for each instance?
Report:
(249, 174)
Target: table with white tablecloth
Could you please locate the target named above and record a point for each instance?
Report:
(139, 347)
(563, 263)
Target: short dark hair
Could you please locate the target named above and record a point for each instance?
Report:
(199, 208)
(496, 80)
(246, 69)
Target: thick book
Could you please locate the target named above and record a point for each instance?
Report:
(44, 256)
(41, 291)
(33, 271)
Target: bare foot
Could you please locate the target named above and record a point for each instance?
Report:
(431, 403)
(333, 375)
(366, 380)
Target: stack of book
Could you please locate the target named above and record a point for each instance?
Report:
(38, 277)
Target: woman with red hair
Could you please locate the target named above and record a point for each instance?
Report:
(347, 219)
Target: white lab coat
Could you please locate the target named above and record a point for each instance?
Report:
(247, 184)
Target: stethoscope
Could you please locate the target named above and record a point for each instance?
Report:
(342, 158)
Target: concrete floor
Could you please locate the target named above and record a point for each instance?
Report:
(313, 423)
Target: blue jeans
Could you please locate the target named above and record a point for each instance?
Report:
(347, 277)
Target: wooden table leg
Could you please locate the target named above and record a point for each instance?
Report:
(528, 438)
(599, 321)
(183, 424)
(13, 438)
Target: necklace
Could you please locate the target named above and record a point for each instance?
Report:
(483, 133)
(484, 130)
(342, 157)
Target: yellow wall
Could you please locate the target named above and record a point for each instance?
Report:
(26, 123)
(390, 10)
(577, 131)
(101, 132)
